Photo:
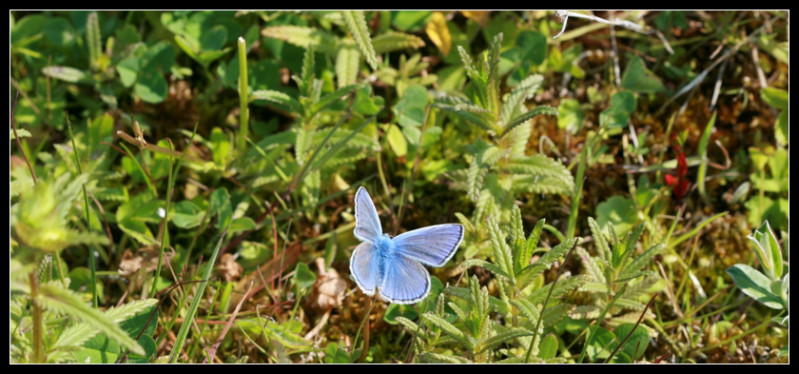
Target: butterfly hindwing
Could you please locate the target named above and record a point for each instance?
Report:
(367, 222)
(364, 267)
(432, 245)
(406, 281)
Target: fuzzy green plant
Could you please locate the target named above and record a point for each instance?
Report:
(618, 281)
(771, 286)
(499, 167)
(511, 327)
(344, 142)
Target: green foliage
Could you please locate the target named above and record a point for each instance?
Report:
(769, 288)
(289, 126)
(617, 277)
(468, 320)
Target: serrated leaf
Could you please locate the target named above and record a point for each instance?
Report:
(496, 270)
(449, 329)
(525, 89)
(561, 288)
(348, 62)
(394, 41)
(639, 262)
(503, 337)
(55, 298)
(540, 165)
(356, 23)
(524, 117)
(277, 97)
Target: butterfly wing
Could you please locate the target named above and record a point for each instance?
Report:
(367, 223)
(406, 281)
(364, 267)
(431, 245)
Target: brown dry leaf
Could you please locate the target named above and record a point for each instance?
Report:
(129, 264)
(229, 268)
(328, 291)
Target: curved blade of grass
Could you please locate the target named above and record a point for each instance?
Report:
(693, 232)
(195, 303)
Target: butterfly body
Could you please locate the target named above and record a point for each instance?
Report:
(392, 267)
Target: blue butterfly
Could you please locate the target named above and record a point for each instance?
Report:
(392, 267)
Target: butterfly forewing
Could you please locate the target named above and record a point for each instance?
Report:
(432, 245)
(364, 267)
(406, 281)
(367, 223)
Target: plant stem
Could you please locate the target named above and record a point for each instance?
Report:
(578, 189)
(366, 334)
(164, 224)
(38, 342)
(649, 304)
(19, 143)
(92, 251)
(244, 99)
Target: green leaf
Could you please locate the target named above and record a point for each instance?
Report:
(348, 62)
(522, 118)
(394, 41)
(619, 212)
(303, 275)
(768, 251)
(754, 284)
(59, 32)
(533, 46)
(219, 199)
(504, 337)
(151, 87)
(67, 74)
(570, 116)
(128, 70)
(187, 215)
(602, 342)
(449, 328)
(636, 344)
(396, 140)
(367, 104)
(214, 38)
(158, 58)
(277, 97)
(53, 297)
(638, 78)
(548, 347)
(241, 224)
(410, 20)
(775, 97)
(356, 23)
